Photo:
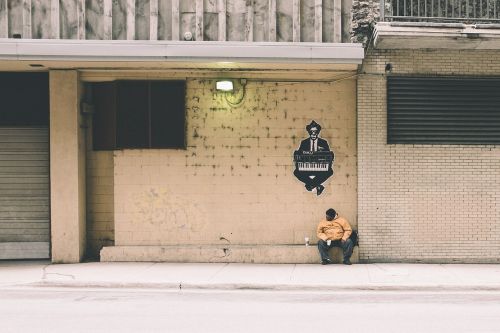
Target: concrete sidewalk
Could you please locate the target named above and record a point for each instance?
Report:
(425, 277)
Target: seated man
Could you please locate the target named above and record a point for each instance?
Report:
(334, 232)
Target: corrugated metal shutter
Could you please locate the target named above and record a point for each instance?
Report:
(443, 110)
(24, 193)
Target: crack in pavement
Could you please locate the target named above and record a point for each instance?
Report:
(212, 276)
(293, 271)
(45, 273)
(218, 271)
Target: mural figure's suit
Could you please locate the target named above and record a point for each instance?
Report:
(319, 176)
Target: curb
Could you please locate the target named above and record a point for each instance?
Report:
(259, 287)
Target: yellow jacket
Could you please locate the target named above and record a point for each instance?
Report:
(336, 229)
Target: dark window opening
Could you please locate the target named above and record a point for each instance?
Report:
(24, 99)
(139, 114)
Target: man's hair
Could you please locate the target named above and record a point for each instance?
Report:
(313, 124)
(331, 212)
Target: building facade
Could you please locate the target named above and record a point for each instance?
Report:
(425, 202)
(428, 158)
(225, 193)
(118, 163)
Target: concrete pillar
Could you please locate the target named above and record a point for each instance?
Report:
(67, 167)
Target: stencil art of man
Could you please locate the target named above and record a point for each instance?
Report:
(313, 160)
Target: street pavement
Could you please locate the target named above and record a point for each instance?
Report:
(220, 276)
(75, 310)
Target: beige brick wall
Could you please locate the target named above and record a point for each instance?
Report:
(100, 198)
(234, 183)
(429, 203)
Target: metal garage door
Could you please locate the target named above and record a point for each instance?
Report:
(443, 110)
(24, 193)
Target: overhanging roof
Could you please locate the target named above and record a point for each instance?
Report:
(171, 51)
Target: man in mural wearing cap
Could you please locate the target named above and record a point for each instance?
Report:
(314, 179)
(334, 231)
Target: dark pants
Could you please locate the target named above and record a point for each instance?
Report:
(320, 177)
(346, 248)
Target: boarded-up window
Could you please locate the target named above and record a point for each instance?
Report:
(443, 110)
(139, 114)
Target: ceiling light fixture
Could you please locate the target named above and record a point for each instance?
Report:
(236, 97)
(224, 85)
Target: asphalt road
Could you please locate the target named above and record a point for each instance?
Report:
(119, 310)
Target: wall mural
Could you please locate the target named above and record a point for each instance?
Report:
(313, 160)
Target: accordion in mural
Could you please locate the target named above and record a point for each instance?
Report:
(313, 161)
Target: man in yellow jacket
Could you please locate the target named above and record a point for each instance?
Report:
(334, 231)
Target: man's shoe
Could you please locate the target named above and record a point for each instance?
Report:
(347, 262)
(319, 189)
(326, 262)
(309, 187)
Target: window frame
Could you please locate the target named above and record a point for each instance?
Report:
(112, 119)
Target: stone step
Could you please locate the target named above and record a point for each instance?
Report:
(259, 254)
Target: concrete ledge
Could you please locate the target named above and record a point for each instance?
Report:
(424, 35)
(428, 25)
(487, 26)
(259, 254)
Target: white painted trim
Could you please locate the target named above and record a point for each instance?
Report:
(4, 20)
(337, 21)
(129, 50)
(296, 21)
(130, 19)
(221, 7)
(153, 19)
(272, 20)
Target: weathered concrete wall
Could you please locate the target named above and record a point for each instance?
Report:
(231, 20)
(234, 183)
(119, 21)
(40, 22)
(429, 203)
(67, 168)
(165, 19)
